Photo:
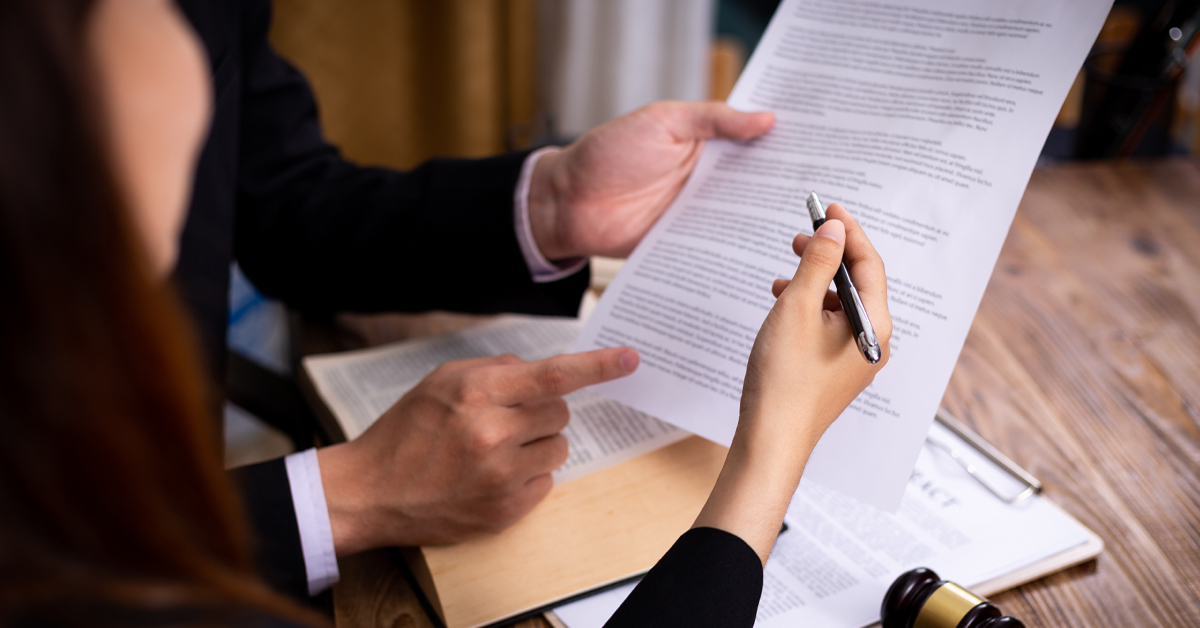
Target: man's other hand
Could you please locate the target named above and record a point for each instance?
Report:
(468, 451)
(601, 194)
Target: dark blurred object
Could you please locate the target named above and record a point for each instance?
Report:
(920, 598)
(1125, 108)
(744, 20)
(740, 24)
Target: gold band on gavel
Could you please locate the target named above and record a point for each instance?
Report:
(946, 607)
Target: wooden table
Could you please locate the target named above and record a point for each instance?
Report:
(1083, 365)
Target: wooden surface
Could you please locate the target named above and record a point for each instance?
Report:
(1083, 365)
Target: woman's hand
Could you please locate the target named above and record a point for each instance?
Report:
(804, 370)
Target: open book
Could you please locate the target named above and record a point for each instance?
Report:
(357, 387)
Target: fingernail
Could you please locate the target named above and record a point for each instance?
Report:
(629, 360)
(834, 230)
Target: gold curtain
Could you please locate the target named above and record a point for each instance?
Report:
(400, 81)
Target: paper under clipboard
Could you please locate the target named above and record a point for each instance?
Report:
(961, 515)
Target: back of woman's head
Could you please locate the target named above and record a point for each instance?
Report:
(111, 489)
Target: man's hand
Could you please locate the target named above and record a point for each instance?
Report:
(469, 450)
(601, 194)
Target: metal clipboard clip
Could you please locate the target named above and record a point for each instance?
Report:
(1032, 485)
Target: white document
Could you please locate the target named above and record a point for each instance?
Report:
(834, 564)
(359, 386)
(924, 119)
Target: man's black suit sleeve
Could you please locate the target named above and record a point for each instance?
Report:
(267, 496)
(708, 578)
(326, 235)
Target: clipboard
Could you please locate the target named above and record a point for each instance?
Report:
(1033, 486)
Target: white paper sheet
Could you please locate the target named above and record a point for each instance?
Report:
(359, 386)
(832, 566)
(925, 120)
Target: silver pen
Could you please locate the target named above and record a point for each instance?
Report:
(860, 324)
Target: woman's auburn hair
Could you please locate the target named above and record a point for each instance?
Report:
(111, 487)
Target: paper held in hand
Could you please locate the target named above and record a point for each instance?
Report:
(924, 119)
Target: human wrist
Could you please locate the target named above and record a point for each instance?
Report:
(345, 496)
(781, 437)
(545, 203)
(756, 484)
(772, 464)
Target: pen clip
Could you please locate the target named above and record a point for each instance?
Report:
(868, 343)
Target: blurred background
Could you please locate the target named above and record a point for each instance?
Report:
(401, 81)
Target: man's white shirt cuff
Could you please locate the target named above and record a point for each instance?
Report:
(541, 269)
(312, 517)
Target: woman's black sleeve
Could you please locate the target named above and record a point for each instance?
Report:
(708, 578)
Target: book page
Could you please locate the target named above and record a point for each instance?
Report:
(835, 562)
(359, 386)
(924, 119)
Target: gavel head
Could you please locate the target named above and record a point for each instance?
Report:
(919, 599)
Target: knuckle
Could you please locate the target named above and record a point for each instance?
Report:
(554, 376)
(509, 359)
(485, 439)
(472, 396)
(474, 388)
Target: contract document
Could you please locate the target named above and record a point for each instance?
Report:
(358, 386)
(924, 119)
(834, 563)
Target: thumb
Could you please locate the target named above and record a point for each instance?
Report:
(820, 261)
(703, 120)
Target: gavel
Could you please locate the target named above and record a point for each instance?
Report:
(919, 599)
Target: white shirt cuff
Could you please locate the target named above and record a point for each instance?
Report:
(541, 269)
(312, 516)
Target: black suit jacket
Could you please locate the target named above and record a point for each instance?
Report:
(325, 235)
(708, 579)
